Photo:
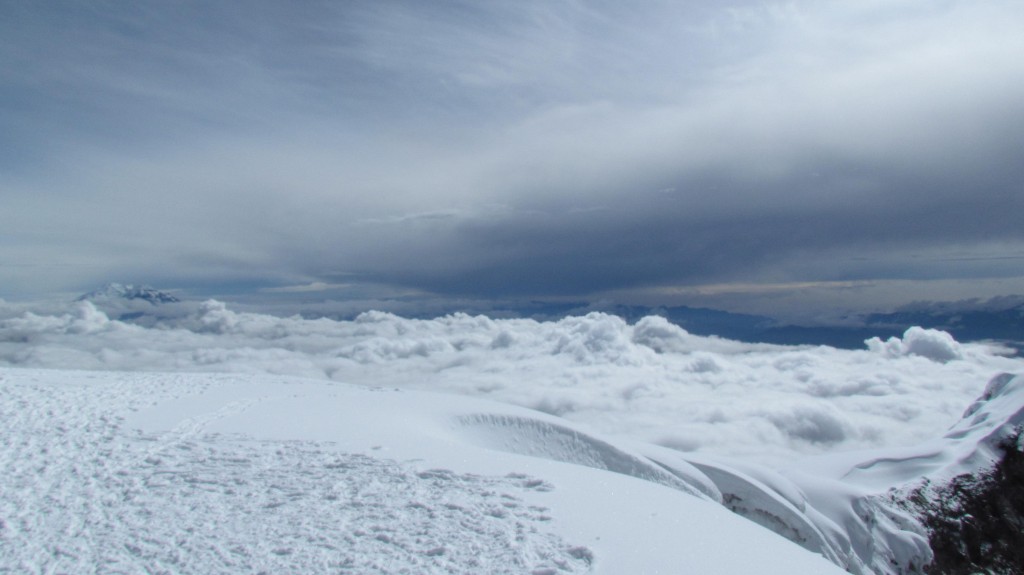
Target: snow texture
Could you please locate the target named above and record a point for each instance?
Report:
(144, 473)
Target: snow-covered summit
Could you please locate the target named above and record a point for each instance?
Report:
(117, 291)
(138, 304)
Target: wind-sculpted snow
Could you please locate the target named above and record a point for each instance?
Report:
(531, 436)
(853, 528)
(651, 381)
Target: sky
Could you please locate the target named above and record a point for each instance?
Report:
(756, 156)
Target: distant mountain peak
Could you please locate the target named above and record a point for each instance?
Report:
(115, 291)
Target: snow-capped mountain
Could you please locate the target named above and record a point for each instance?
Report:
(116, 291)
(139, 304)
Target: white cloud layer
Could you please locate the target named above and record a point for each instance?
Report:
(652, 381)
(929, 343)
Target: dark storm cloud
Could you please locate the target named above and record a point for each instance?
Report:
(861, 223)
(513, 149)
(834, 226)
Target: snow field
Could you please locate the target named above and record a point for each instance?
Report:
(82, 496)
(143, 473)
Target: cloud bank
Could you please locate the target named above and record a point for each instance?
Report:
(651, 380)
(540, 149)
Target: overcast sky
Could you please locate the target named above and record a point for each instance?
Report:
(659, 151)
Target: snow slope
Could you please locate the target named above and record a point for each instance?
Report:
(970, 445)
(144, 473)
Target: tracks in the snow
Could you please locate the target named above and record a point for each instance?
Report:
(79, 494)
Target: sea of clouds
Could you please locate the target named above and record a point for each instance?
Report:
(650, 381)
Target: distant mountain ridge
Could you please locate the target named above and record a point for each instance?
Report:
(998, 319)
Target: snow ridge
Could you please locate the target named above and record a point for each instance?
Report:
(855, 530)
(536, 438)
(969, 447)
